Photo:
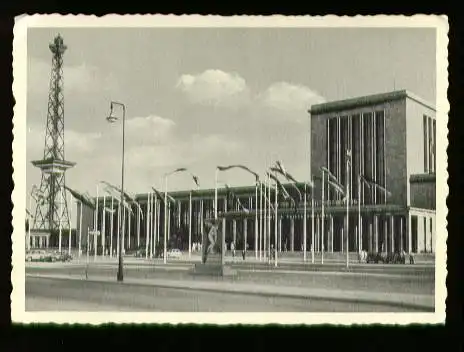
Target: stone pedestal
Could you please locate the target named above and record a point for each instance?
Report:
(213, 260)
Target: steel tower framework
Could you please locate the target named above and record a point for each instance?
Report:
(53, 208)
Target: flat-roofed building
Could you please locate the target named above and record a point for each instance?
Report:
(391, 137)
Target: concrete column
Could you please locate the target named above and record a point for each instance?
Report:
(376, 233)
(292, 234)
(234, 231)
(385, 235)
(245, 233)
(40, 241)
(409, 234)
(318, 234)
(392, 233)
(331, 234)
(342, 242)
(401, 234)
(432, 240)
(370, 244)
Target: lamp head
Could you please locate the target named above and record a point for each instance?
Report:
(111, 118)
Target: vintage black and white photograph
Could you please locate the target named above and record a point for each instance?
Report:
(222, 165)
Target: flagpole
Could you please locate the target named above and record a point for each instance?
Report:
(304, 225)
(95, 238)
(359, 215)
(80, 230)
(112, 228)
(190, 225)
(268, 248)
(138, 227)
(265, 219)
(165, 217)
(256, 221)
(215, 194)
(150, 226)
(103, 225)
(152, 223)
(275, 226)
(70, 215)
(323, 217)
(129, 215)
(61, 215)
(169, 221)
(312, 226)
(260, 234)
(119, 230)
(347, 215)
(158, 215)
(147, 232)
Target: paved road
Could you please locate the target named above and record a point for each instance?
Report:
(58, 294)
(412, 281)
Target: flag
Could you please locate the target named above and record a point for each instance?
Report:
(139, 208)
(110, 210)
(329, 173)
(195, 179)
(117, 189)
(181, 169)
(371, 183)
(243, 167)
(161, 196)
(363, 180)
(280, 186)
(348, 157)
(279, 168)
(81, 198)
(284, 191)
(337, 186)
(28, 213)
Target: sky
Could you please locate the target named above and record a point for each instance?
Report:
(199, 97)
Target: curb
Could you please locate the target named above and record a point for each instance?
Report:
(382, 302)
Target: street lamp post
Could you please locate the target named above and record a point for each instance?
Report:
(120, 275)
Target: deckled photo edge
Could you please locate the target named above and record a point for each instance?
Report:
(19, 178)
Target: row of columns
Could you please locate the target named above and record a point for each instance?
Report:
(386, 233)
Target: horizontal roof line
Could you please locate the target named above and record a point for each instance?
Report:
(366, 101)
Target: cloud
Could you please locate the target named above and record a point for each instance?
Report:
(151, 129)
(75, 141)
(286, 96)
(84, 79)
(214, 87)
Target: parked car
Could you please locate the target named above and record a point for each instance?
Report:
(64, 256)
(36, 256)
(174, 253)
(386, 258)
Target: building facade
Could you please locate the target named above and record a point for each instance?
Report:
(391, 139)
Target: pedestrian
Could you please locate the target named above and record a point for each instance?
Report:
(232, 248)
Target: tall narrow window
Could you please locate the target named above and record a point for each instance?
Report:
(367, 153)
(430, 143)
(434, 147)
(356, 146)
(426, 147)
(343, 145)
(379, 151)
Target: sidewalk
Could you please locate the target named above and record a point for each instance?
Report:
(406, 300)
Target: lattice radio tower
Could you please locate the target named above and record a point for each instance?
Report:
(53, 209)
